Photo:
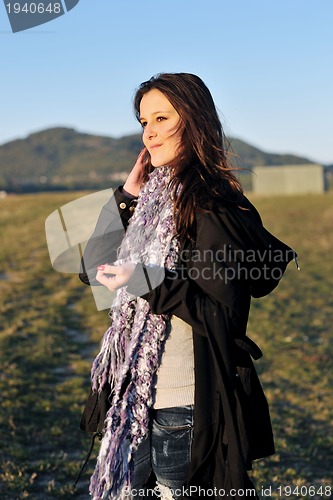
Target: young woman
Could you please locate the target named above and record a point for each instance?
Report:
(187, 408)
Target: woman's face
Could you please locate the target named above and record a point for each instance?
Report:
(162, 130)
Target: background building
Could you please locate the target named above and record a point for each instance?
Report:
(289, 179)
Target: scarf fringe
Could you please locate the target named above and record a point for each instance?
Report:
(132, 346)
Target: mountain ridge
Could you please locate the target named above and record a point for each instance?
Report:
(65, 158)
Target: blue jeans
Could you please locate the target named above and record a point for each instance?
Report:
(167, 450)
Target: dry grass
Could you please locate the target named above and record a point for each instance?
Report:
(50, 329)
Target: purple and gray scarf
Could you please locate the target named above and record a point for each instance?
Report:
(134, 342)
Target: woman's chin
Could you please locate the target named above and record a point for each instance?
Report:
(158, 162)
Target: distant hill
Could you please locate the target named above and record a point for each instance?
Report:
(62, 158)
(249, 156)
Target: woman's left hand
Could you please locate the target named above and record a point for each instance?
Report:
(114, 277)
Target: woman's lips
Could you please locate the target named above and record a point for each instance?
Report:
(155, 146)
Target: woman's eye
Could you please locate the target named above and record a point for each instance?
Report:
(158, 119)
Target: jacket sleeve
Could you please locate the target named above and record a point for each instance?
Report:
(103, 244)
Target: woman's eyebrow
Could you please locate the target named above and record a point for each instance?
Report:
(155, 113)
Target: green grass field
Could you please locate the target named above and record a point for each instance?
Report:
(50, 331)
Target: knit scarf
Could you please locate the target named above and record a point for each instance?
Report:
(132, 347)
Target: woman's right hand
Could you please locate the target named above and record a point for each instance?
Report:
(134, 180)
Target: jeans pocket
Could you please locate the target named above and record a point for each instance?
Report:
(173, 419)
(172, 429)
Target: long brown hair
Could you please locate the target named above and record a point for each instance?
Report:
(203, 175)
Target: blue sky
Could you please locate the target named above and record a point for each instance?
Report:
(268, 64)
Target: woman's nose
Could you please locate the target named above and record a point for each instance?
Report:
(149, 131)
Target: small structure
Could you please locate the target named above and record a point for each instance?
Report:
(289, 179)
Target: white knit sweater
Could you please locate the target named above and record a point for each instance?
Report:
(175, 376)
